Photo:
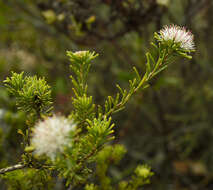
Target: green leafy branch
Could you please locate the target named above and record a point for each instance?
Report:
(32, 93)
(80, 65)
(153, 67)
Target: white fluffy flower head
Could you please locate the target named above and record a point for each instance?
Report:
(51, 135)
(178, 35)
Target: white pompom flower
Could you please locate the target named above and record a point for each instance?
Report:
(178, 35)
(52, 135)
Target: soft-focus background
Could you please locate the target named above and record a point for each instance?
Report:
(168, 126)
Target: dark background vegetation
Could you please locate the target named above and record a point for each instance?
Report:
(168, 126)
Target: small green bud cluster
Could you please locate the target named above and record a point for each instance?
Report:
(143, 171)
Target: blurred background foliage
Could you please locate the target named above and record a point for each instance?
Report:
(169, 126)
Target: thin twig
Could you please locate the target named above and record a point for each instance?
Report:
(12, 168)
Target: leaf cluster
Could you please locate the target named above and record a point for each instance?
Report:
(112, 154)
(29, 179)
(32, 94)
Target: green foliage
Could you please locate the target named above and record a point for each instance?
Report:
(1, 147)
(93, 126)
(32, 93)
(169, 123)
(99, 130)
(91, 187)
(84, 109)
(141, 178)
(80, 65)
(28, 179)
(74, 163)
(108, 156)
(165, 56)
